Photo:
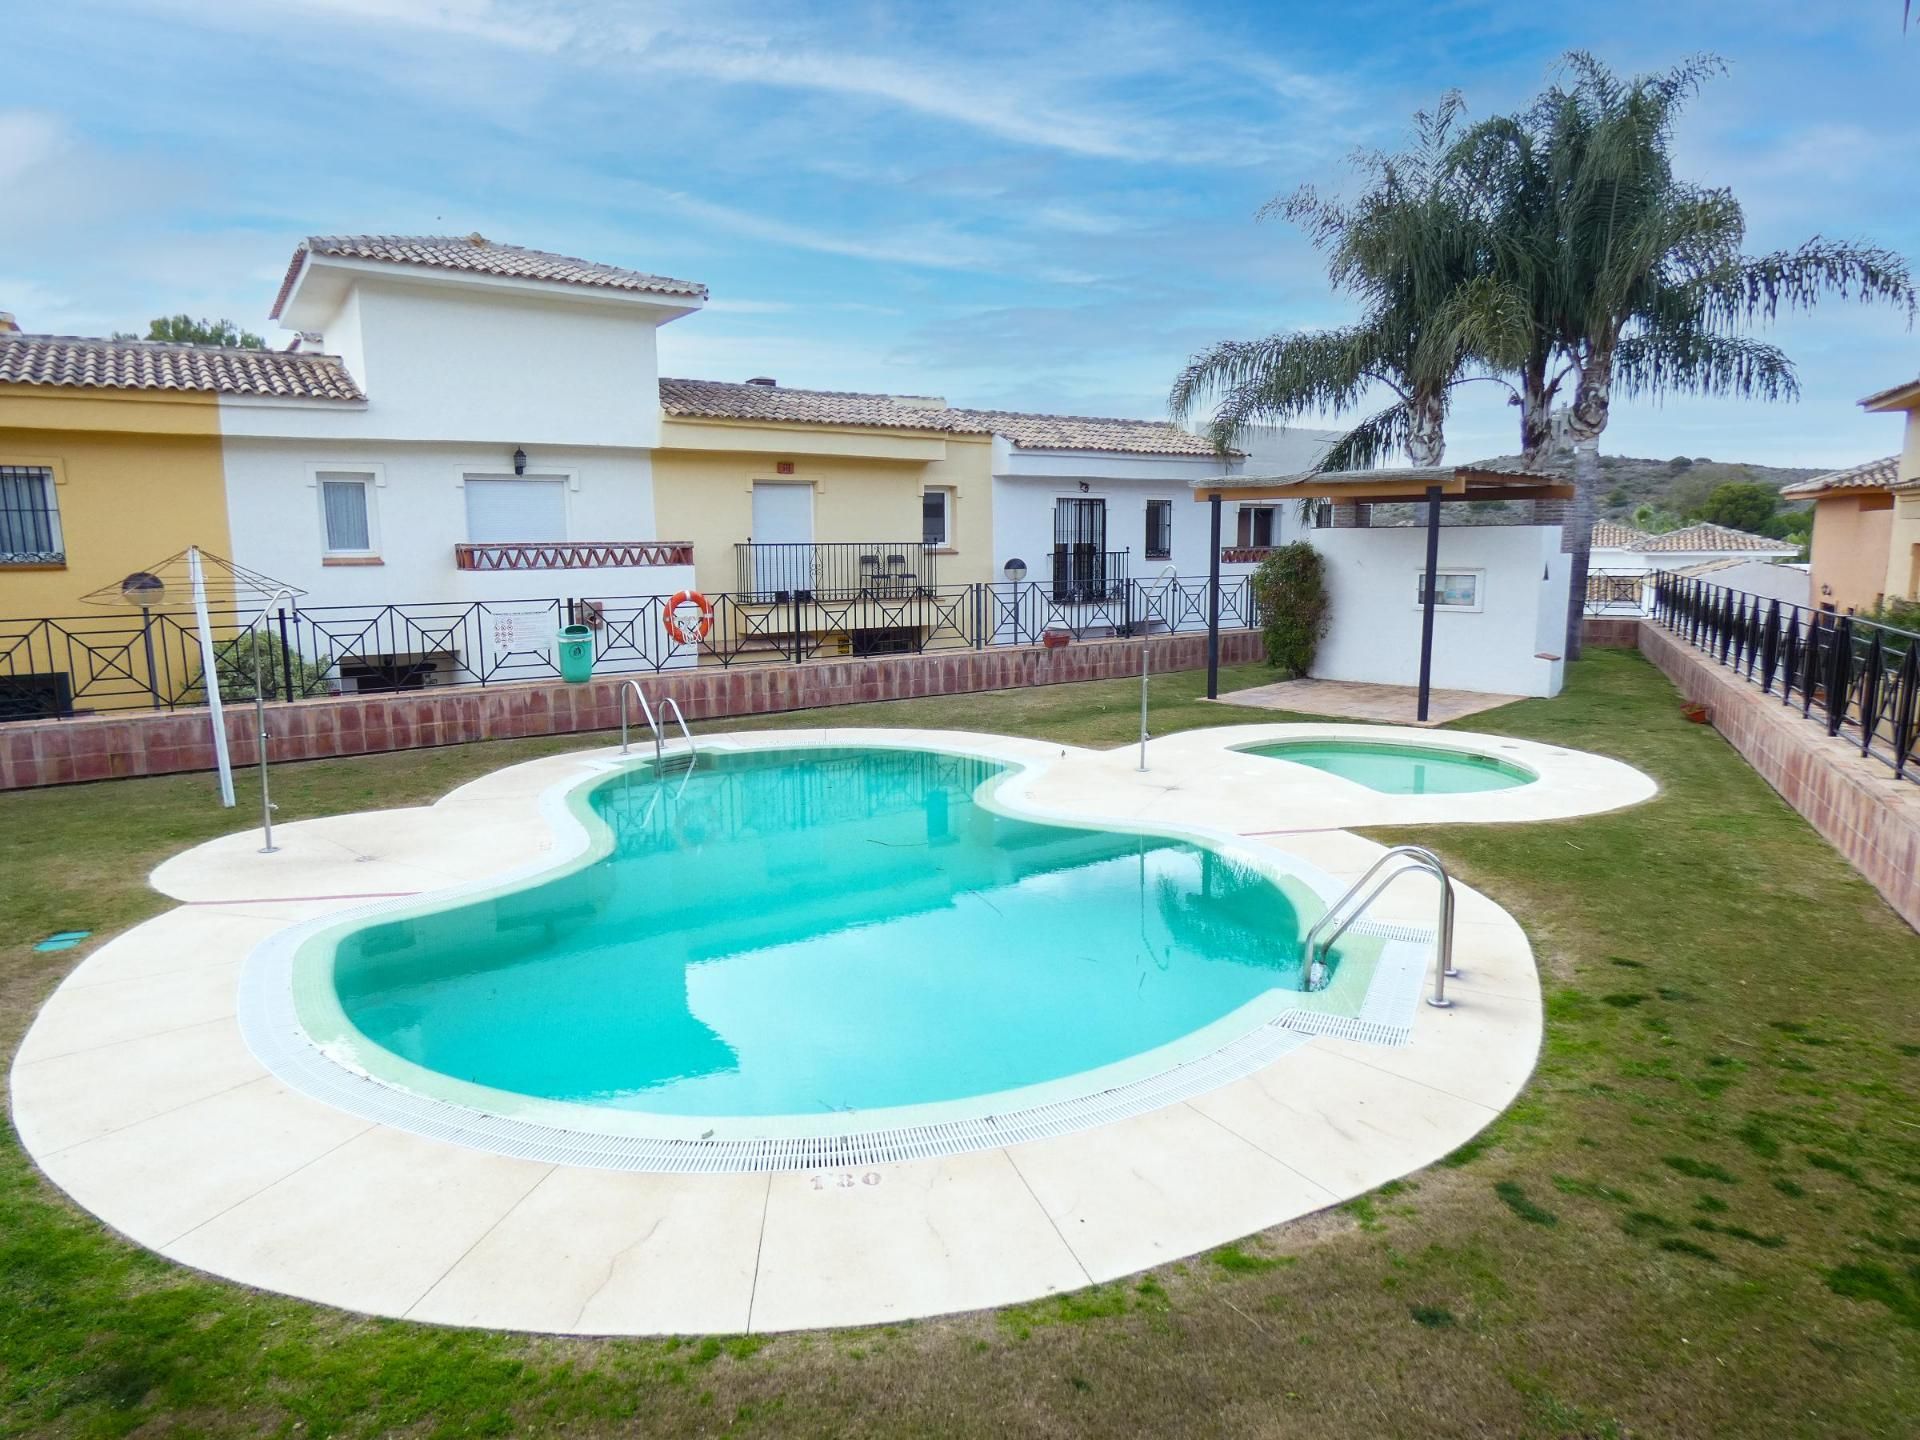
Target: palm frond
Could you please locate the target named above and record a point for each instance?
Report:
(1279, 377)
(1380, 436)
(1676, 361)
(1742, 289)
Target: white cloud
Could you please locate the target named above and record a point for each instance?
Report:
(28, 139)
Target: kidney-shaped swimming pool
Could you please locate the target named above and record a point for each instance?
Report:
(808, 931)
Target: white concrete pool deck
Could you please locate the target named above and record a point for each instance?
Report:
(136, 1094)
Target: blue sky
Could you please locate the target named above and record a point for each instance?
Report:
(1040, 206)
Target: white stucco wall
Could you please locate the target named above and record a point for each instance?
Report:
(439, 362)
(1283, 450)
(419, 515)
(1373, 580)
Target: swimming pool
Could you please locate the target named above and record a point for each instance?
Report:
(1401, 769)
(817, 932)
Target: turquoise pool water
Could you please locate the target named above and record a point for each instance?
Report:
(1400, 769)
(816, 930)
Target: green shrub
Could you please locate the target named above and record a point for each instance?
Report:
(1290, 586)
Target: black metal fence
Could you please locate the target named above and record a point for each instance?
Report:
(109, 661)
(1857, 677)
(1619, 592)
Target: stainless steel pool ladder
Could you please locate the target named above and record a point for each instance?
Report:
(1410, 857)
(671, 708)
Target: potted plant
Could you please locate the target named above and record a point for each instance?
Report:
(1055, 636)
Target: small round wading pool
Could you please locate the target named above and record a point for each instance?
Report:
(789, 941)
(1401, 769)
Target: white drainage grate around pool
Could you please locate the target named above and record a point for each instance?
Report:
(267, 1021)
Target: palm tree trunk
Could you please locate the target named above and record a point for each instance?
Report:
(1591, 399)
(1427, 429)
(1536, 421)
(1576, 538)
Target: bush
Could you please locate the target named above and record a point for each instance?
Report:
(1902, 614)
(1291, 589)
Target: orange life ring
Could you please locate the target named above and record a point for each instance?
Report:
(670, 616)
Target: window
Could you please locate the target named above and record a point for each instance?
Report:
(1452, 589)
(346, 511)
(29, 517)
(1256, 527)
(1159, 529)
(506, 511)
(936, 526)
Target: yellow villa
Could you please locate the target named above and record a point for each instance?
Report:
(1866, 519)
(101, 474)
(1903, 531)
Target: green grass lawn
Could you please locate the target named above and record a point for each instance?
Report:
(1699, 1218)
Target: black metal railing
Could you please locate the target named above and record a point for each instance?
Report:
(1619, 592)
(75, 665)
(1857, 677)
(1083, 575)
(834, 570)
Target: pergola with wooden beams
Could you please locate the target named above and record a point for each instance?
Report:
(1433, 484)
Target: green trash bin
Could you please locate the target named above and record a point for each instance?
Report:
(576, 654)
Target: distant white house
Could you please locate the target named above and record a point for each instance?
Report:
(1622, 557)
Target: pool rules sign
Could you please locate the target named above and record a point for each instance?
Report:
(519, 638)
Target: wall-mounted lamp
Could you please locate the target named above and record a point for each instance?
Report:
(1015, 570)
(1084, 487)
(519, 461)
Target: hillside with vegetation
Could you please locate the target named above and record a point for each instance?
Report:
(1660, 495)
(1683, 486)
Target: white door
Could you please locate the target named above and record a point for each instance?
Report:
(782, 537)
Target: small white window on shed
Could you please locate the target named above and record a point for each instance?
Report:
(507, 510)
(1452, 589)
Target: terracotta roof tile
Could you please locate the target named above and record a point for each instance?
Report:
(1087, 432)
(1885, 399)
(1612, 535)
(478, 255)
(721, 400)
(1708, 538)
(158, 365)
(1880, 474)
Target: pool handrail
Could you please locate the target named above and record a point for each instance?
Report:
(670, 707)
(633, 687)
(1412, 857)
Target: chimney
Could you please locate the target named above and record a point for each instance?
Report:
(766, 380)
(8, 325)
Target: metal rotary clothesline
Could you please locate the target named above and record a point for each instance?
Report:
(188, 580)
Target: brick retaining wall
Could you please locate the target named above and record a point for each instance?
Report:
(104, 747)
(1866, 814)
(1610, 632)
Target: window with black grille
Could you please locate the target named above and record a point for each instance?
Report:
(1080, 559)
(29, 517)
(1159, 529)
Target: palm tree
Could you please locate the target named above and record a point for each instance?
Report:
(1635, 280)
(1413, 254)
